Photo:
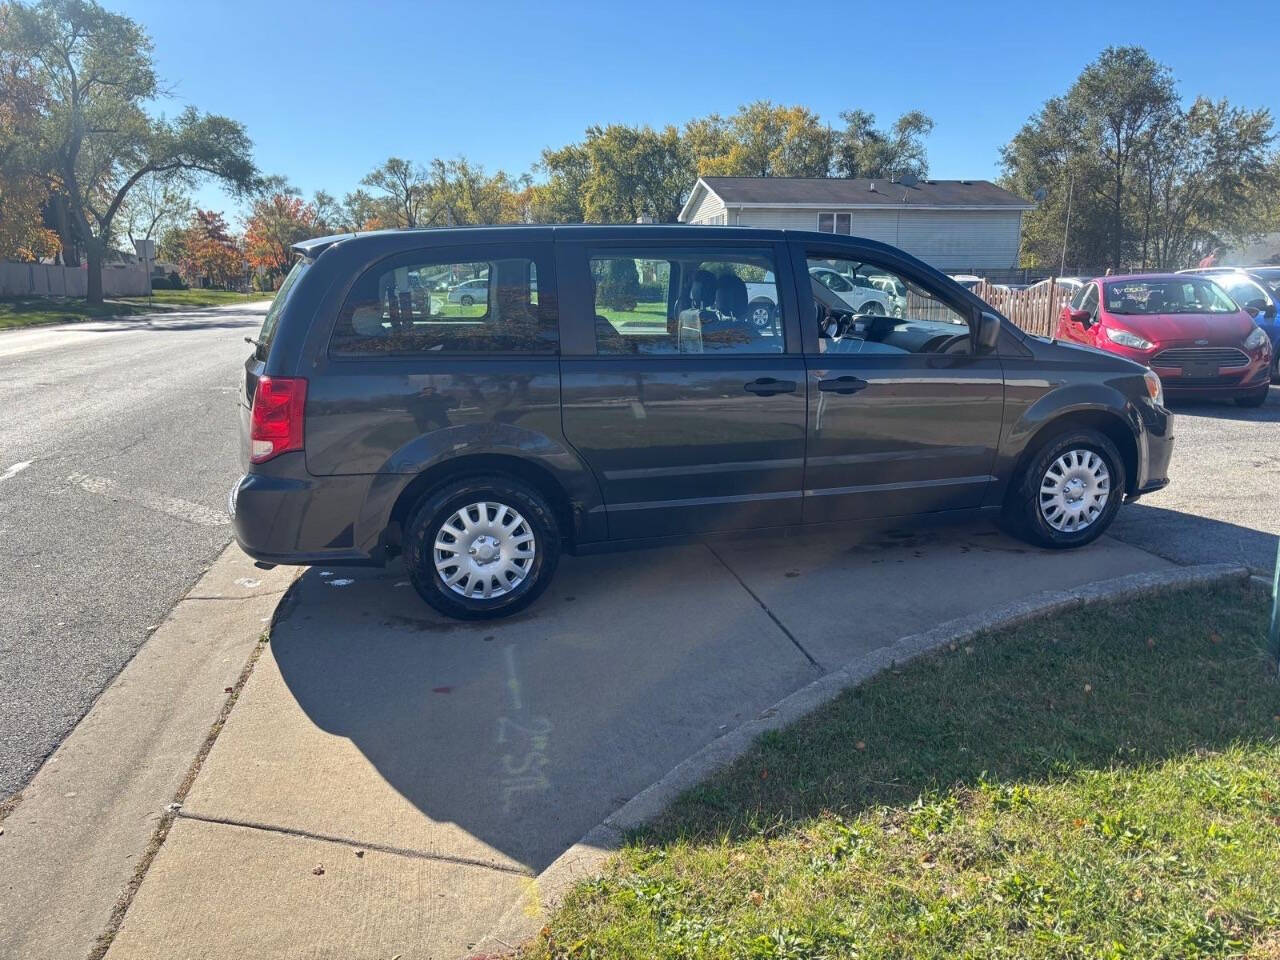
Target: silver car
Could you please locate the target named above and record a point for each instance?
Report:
(470, 291)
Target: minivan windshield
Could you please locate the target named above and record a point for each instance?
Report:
(1184, 294)
(277, 305)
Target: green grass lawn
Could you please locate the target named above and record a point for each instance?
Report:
(1102, 784)
(645, 315)
(29, 311)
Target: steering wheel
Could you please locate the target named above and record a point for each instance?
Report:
(957, 344)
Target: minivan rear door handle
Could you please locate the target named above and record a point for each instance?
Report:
(843, 385)
(768, 386)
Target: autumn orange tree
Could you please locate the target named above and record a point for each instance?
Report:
(274, 225)
(23, 190)
(205, 250)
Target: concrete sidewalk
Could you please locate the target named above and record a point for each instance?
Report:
(390, 782)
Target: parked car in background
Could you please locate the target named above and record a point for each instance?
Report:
(1259, 299)
(1186, 328)
(470, 292)
(603, 414)
(1072, 283)
(856, 290)
(860, 293)
(966, 280)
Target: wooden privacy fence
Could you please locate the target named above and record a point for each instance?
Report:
(1034, 311)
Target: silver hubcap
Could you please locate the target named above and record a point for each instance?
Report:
(760, 316)
(1074, 490)
(485, 550)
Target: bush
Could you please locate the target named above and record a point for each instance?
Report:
(620, 288)
(175, 281)
(161, 283)
(652, 293)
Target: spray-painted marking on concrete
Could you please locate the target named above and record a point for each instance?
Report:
(523, 767)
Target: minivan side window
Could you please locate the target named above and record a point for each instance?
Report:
(869, 309)
(695, 301)
(432, 304)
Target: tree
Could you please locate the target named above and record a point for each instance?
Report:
(205, 249)
(97, 69)
(404, 184)
(23, 188)
(1121, 101)
(619, 288)
(1128, 175)
(460, 192)
(155, 204)
(862, 150)
(274, 225)
(559, 199)
(767, 140)
(618, 174)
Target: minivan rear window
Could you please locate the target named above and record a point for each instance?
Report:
(418, 305)
(277, 305)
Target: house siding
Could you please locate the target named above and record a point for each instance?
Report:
(947, 239)
(708, 209)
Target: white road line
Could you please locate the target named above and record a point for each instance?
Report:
(173, 506)
(16, 469)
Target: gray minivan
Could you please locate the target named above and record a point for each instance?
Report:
(613, 387)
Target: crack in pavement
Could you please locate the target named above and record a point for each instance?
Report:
(355, 844)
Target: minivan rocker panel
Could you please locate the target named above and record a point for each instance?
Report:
(601, 386)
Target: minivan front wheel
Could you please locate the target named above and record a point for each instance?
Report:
(1070, 491)
(482, 547)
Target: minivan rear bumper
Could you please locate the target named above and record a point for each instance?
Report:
(289, 517)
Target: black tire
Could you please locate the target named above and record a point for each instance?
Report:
(440, 506)
(1023, 515)
(873, 308)
(1275, 366)
(467, 300)
(1255, 399)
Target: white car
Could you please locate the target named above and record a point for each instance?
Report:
(860, 294)
(966, 280)
(470, 291)
(1071, 283)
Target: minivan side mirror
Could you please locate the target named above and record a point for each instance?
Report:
(1252, 311)
(988, 333)
(1270, 312)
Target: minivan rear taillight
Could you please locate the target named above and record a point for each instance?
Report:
(275, 423)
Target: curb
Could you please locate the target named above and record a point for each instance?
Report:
(584, 859)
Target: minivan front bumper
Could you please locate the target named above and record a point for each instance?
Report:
(1155, 450)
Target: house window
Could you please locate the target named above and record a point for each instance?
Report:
(835, 223)
(715, 220)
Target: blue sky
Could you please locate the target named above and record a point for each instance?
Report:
(329, 90)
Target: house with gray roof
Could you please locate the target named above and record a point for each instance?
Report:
(955, 225)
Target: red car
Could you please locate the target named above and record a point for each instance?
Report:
(1184, 327)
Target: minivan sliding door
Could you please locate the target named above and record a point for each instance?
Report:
(683, 387)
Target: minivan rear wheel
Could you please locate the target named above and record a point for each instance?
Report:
(482, 547)
(1069, 492)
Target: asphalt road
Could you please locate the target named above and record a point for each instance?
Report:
(117, 449)
(1223, 503)
(119, 445)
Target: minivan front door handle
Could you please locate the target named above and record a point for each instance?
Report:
(768, 386)
(843, 385)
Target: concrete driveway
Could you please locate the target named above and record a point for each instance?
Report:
(390, 782)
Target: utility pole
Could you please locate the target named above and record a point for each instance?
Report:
(1273, 635)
